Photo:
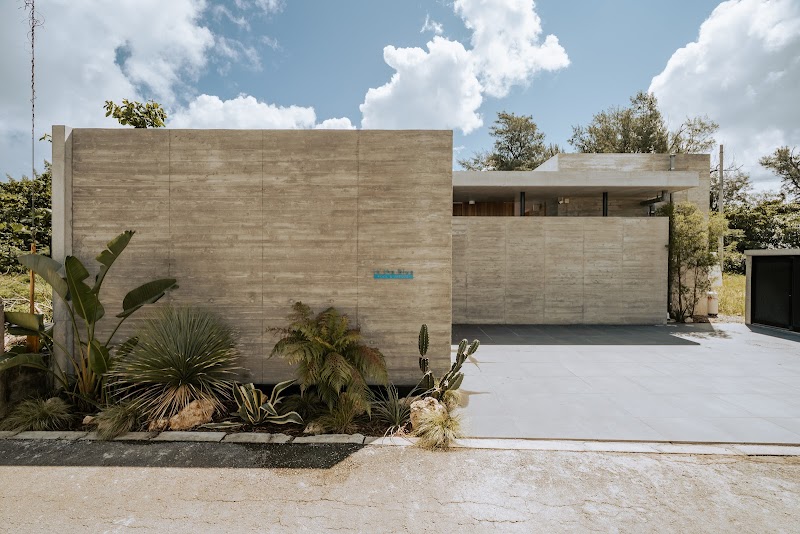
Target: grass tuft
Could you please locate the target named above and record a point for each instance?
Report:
(117, 419)
(39, 414)
(390, 410)
(438, 430)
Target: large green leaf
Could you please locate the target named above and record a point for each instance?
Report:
(146, 294)
(99, 358)
(274, 397)
(85, 302)
(107, 258)
(48, 269)
(291, 417)
(31, 323)
(23, 360)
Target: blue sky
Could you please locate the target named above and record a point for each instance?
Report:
(304, 63)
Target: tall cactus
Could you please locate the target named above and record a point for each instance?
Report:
(453, 378)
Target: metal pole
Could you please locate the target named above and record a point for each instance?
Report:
(721, 203)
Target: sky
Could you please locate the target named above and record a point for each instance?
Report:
(413, 64)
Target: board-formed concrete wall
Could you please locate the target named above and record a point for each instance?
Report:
(560, 270)
(250, 221)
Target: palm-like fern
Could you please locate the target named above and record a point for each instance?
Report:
(331, 357)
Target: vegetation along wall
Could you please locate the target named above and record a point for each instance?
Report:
(251, 221)
(560, 270)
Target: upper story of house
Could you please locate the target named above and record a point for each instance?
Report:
(614, 185)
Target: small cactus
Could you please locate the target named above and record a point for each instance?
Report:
(453, 378)
(423, 340)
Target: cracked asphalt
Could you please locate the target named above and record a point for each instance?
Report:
(404, 489)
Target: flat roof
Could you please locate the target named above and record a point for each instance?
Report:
(773, 252)
(506, 185)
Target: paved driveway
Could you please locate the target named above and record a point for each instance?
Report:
(694, 383)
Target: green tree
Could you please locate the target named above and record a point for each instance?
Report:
(519, 145)
(25, 212)
(136, 114)
(695, 135)
(785, 163)
(738, 188)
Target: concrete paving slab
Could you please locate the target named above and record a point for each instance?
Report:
(35, 434)
(189, 436)
(331, 438)
(136, 436)
(8, 433)
(385, 441)
(620, 446)
(692, 448)
(256, 437)
(768, 450)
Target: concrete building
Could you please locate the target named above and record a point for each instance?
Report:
(375, 223)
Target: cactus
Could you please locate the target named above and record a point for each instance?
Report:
(453, 378)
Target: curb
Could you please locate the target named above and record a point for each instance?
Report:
(714, 449)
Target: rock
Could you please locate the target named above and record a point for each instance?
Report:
(89, 420)
(425, 406)
(158, 425)
(688, 320)
(196, 413)
(314, 428)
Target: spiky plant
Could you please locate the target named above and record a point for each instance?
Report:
(118, 419)
(438, 429)
(181, 355)
(39, 414)
(256, 408)
(331, 357)
(390, 410)
(341, 418)
(452, 379)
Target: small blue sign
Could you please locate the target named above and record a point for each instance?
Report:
(400, 274)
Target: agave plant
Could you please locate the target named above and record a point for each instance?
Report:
(92, 356)
(255, 408)
(331, 357)
(179, 355)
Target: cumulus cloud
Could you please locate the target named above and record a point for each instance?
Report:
(443, 86)
(87, 55)
(208, 111)
(431, 25)
(338, 123)
(743, 71)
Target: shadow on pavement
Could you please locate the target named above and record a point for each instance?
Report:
(584, 334)
(171, 454)
(779, 333)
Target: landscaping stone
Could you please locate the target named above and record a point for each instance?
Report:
(136, 436)
(158, 425)
(331, 438)
(37, 434)
(314, 428)
(256, 437)
(7, 433)
(88, 420)
(426, 406)
(196, 413)
(189, 436)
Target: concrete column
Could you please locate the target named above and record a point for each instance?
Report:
(62, 231)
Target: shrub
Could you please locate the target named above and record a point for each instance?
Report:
(438, 429)
(39, 414)
(331, 359)
(390, 410)
(180, 355)
(118, 419)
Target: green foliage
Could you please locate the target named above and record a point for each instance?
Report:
(331, 357)
(438, 429)
(640, 129)
(39, 414)
(390, 410)
(14, 293)
(91, 358)
(341, 418)
(737, 189)
(518, 146)
(181, 355)
(693, 243)
(764, 222)
(452, 379)
(19, 199)
(255, 408)
(732, 295)
(118, 419)
(785, 163)
(136, 114)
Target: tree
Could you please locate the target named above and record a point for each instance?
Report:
(785, 163)
(737, 191)
(25, 211)
(640, 128)
(136, 114)
(518, 146)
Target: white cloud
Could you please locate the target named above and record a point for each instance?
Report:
(234, 51)
(505, 43)
(433, 89)
(208, 111)
(744, 72)
(76, 49)
(432, 26)
(267, 7)
(443, 87)
(338, 123)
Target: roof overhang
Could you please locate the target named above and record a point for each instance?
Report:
(506, 185)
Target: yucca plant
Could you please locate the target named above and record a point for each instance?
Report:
(39, 414)
(180, 355)
(92, 355)
(255, 408)
(331, 357)
(390, 410)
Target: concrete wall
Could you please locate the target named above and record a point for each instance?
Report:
(551, 270)
(250, 221)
